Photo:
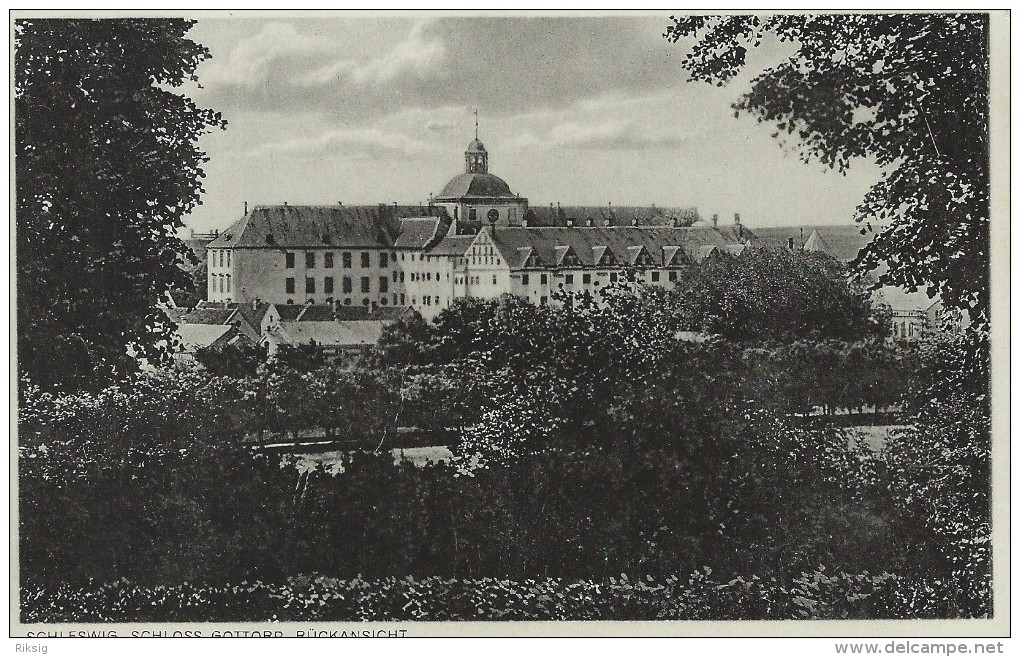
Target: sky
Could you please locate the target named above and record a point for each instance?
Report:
(576, 110)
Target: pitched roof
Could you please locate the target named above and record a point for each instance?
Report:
(355, 333)
(289, 312)
(202, 335)
(548, 245)
(816, 243)
(253, 312)
(418, 232)
(611, 215)
(453, 245)
(297, 226)
(208, 315)
(843, 241)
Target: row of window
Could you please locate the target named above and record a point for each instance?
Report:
(347, 259)
(586, 279)
(424, 276)
(347, 284)
(221, 256)
(220, 283)
(365, 302)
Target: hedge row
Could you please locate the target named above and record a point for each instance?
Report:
(816, 595)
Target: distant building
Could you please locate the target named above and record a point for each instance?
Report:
(476, 238)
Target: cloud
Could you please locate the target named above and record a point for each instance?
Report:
(608, 123)
(349, 142)
(417, 55)
(250, 62)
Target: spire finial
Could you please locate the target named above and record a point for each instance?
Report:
(476, 124)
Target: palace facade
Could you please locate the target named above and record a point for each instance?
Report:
(476, 238)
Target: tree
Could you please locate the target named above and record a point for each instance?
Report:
(106, 166)
(775, 295)
(910, 91)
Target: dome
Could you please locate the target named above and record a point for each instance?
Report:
(475, 184)
(476, 145)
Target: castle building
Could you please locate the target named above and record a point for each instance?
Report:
(475, 238)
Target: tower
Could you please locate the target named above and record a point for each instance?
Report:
(476, 158)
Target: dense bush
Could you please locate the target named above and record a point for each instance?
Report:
(217, 513)
(579, 466)
(700, 596)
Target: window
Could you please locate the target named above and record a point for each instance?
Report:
(544, 300)
(364, 302)
(672, 277)
(348, 285)
(655, 277)
(401, 299)
(347, 260)
(382, 301)
(545, 279)
(366, 284)
(327, 285)
(524, 279)
(290, 302)
(327, 260)
(586, 279)
(290, 261)
(569, 279)
(384, 285)
(437, 300)
(311, 301)
(228, 282)
(366, 260)
(290, 286)
(310, 259)
(347, 301)
(472, 214)
(221, 258)
(394, 275)
(384, 259)
(309, 285)
(494, 281)
(612, 277)
(401, 277)
(228, 258)
(329, 301)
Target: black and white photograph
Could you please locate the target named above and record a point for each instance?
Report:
(405, 323)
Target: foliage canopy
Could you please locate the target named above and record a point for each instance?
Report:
(106, 166)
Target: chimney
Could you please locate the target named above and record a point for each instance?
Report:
(633, 222)
(715, 220)
(246, 208)
(285, 204)
(570, 223)
(591, 222)
(736, 218)
(255, 304)
(789, 243)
